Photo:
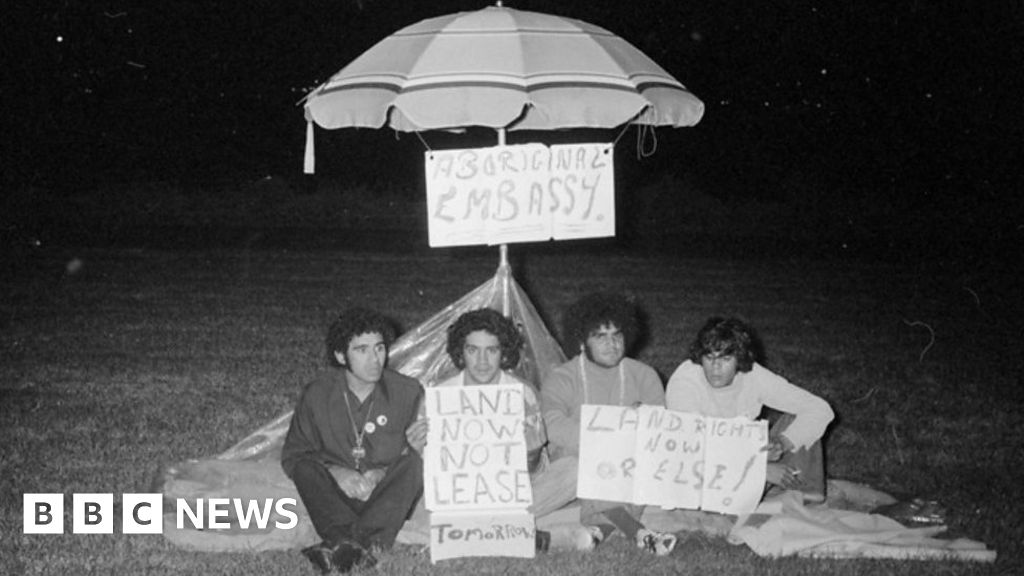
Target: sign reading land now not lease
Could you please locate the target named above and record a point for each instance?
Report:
(475, 479)
(520, 193)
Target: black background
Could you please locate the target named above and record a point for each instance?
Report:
(913, 109)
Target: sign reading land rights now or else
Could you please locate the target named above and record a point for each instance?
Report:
(654, 456)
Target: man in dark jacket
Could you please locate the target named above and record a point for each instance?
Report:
(346, 448)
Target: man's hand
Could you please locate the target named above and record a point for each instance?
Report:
(373, 477)
(416, 434)
(531, 422)
(776, 447)
(784, 476)
(352, 483)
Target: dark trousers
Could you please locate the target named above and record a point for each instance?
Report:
(374, 522)
(810, 461)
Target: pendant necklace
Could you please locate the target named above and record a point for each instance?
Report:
(358, 451)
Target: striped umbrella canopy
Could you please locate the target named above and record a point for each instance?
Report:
(505, 69)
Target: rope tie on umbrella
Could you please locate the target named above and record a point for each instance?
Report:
(645, 133)
(646, 121)
(420, 136)
(621, 132)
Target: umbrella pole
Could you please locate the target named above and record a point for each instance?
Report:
(503, 251)
(506, 281)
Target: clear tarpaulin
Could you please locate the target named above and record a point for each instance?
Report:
(251, 468)
(420, 354)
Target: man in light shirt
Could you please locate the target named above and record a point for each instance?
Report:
(723, 380)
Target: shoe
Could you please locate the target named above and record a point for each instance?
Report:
(348, 554)
(657, 543)
(341, 557)
(320, 556)
(543, 540)
(587, 538)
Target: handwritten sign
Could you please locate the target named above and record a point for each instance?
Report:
(670, 468)
(735, 464)
(475, 456)
(607, 453)
(520, 193)
(476, 482)
(582, 191)
(487, 533)
(655, 456)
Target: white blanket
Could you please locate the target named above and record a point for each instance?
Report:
(784, 526)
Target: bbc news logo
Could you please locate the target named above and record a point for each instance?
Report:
(144, 513)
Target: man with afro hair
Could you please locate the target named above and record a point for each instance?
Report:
(600, 329)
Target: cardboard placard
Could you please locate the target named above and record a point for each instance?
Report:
(670, 466)
(735, 476)
(475, 477)
(486, 533)
(520, 193)
(607, 453)
(654, 456)
(582, 186)
(475, 457)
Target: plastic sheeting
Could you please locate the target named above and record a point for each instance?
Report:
(784, 526)
(251, 469)
(420, 353)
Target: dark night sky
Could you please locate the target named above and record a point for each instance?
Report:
(917, 104)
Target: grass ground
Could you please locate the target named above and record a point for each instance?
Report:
(117, 361)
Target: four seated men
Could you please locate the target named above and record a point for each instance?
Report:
(356, 438)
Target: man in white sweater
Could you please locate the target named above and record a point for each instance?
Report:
(723, 380)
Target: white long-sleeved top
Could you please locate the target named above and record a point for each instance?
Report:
(688, 390)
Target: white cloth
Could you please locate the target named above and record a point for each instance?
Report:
(784, 526)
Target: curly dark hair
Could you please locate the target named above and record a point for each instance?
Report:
(594, 311)
(727, 336)
(353, 323)
(492, 322)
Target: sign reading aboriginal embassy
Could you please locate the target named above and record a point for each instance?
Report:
(476, 483)
(520, 193)
(653, 456)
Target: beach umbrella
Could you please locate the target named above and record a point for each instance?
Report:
(504, 69)
(501, 68)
